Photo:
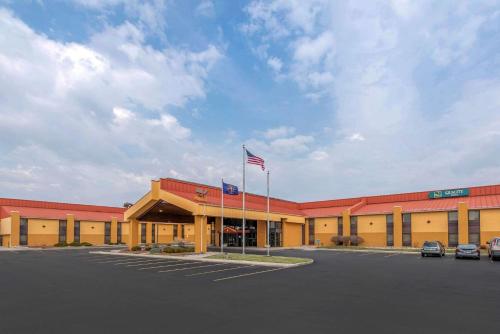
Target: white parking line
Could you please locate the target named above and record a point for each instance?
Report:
(391, 255)
(145, 261)
(366, 254)
(149, 262)
(189, 268)
(115, 260)
(217, 271)
(111, 258)
(249, 274)
(170, 265)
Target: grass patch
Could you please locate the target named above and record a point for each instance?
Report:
(259, 258)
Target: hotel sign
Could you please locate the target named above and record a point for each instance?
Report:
(449, 193)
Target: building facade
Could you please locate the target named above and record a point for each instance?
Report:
(175, 210)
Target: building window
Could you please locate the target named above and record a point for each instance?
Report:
(389, 221)
(182, 232)
(107, 233)
(452, 228)
(143, 233)
(119, 233)
(62, 231)
(474, 227)
(76, 231)
(354, 225)
(23, 232)
(275, 234)
(153, 233)
(176, 228)
(311, 222)
(407, 229)
(340, 226)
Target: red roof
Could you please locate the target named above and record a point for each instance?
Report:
(479, 198)
(187, 190)
(54, 210)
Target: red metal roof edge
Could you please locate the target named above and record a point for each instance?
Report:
(169, 179)
(398, 197)
(59, 205)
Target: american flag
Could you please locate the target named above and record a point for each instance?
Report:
(255, 160)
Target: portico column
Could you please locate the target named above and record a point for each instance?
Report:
(261, 233)
(463, 223)
(397, 220)
(15, 225)
(70, 228)
(133, 233)
(114, 230)
(149, 228)
(217, 231)
(200, 235)
(346, 221)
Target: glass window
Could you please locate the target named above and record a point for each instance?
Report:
(107, 233)
(474, 227)
(354, 225)
(311, 222)
(62, 230)
(175, 231)
(407, 229)
(143, 233)
(452, 228)
(340, 227)
(119, 233)
(389, 220)
(183, 232)
(76, 231)
(23, 232)
(153, 233)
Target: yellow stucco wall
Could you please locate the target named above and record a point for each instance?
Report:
(292, 234)
(5, 226)
(189, 232)
(125, 232)
(490, 224)
(325, 229)
(373, 230)
(93, 235)
(43, 232)
(165, 233)
(261, 233)
(429, 226)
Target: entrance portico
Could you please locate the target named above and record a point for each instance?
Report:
(173, 201)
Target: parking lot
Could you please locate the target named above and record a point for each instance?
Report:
(55, 291)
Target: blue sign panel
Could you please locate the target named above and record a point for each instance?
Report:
(449, 193)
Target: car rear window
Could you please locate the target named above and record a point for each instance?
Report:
(468, 247)
(496, 242)
(430, 244)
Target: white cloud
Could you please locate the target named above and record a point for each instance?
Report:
(275, 63)
(96, 113)
(206, 8)
(318, 155)
(279, 132)
(356, 137)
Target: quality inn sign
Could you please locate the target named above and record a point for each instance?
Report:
(449, 193)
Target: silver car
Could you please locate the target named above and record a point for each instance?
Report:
(494, 248)
(432, 248)
(468, 251)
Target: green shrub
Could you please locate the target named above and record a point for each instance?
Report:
(86, 244)
(74, 244)
(171, 250)
(136, 248)
(61, 244)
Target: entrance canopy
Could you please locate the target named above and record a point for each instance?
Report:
(164, 212)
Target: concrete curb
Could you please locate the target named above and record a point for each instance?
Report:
(197, 258)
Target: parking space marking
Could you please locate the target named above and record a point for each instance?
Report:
(366, 254)
(189, 268)
(217, 271)
(248, 274)
(111, 258)
(149, 263)
(391, 255)
(115, 260)
(170, 265)
(131, 262)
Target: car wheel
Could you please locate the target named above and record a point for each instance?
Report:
(422, 254)
(493, 258)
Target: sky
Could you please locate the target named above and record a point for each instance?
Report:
(341, 98)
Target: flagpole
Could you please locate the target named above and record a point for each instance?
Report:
(267, 234)
(222, 218)
(243, 235)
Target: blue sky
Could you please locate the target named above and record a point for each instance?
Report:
(341, 98)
